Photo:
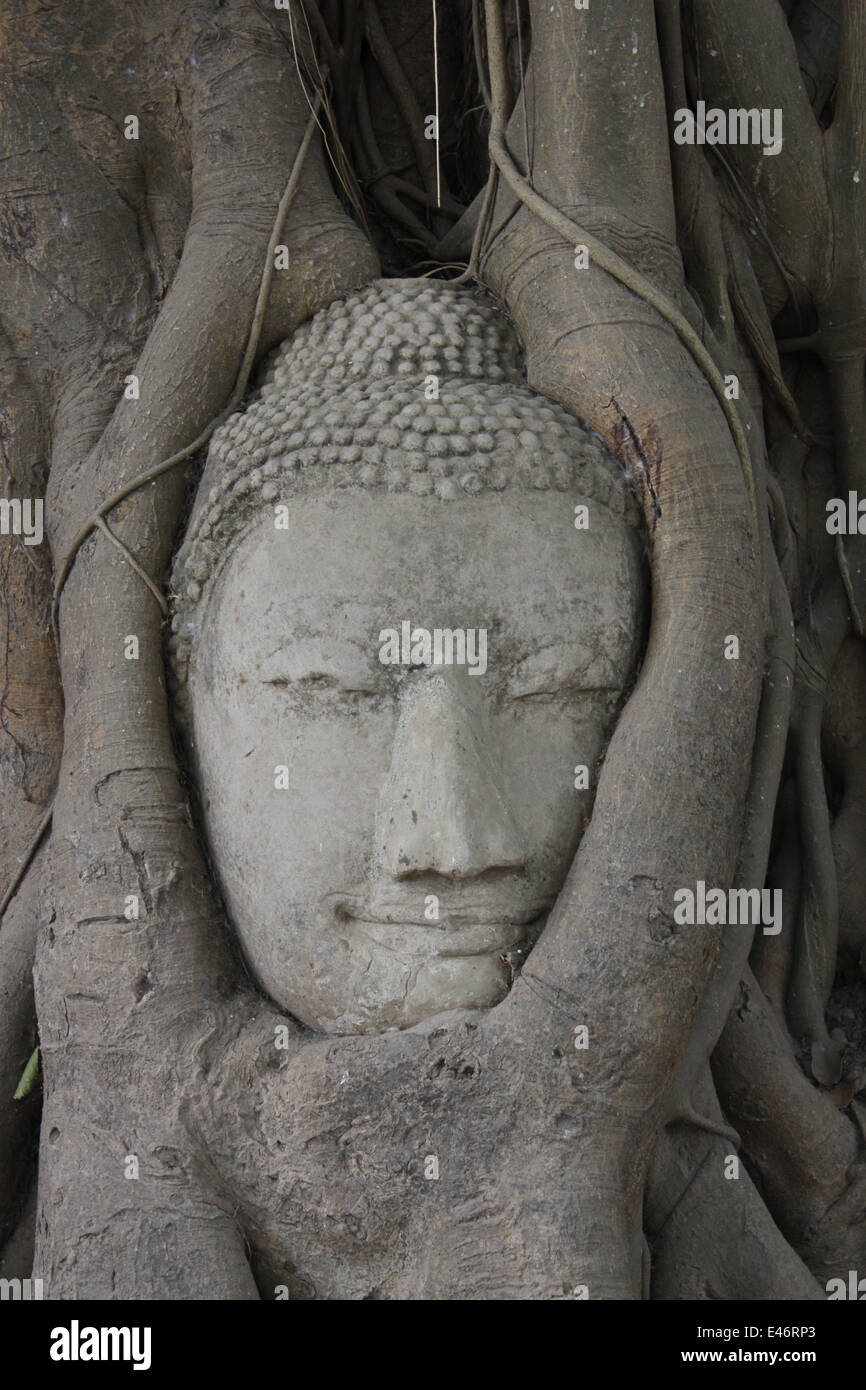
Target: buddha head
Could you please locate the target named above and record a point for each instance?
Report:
(408, 605)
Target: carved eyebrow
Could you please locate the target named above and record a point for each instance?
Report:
(342, 662)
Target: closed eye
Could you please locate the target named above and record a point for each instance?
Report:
(314, 681)
(308, 666)
(540, 696)
(320, 678)
(558, 672)
(540, 677)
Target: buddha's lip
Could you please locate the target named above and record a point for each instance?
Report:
(481, 939)
(462, 932)
(451, 919)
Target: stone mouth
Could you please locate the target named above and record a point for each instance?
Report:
(483, 939)
(458, 933)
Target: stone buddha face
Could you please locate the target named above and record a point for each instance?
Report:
(391, 696)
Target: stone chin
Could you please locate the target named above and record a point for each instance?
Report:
(439, 984)
(402, 973)
(400, 990)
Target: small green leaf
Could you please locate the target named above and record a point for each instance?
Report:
(29, 1077)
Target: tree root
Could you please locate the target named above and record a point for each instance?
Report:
(243, 377)
(609, 261)
(98, 521)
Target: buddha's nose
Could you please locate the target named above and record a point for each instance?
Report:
(442, 808)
